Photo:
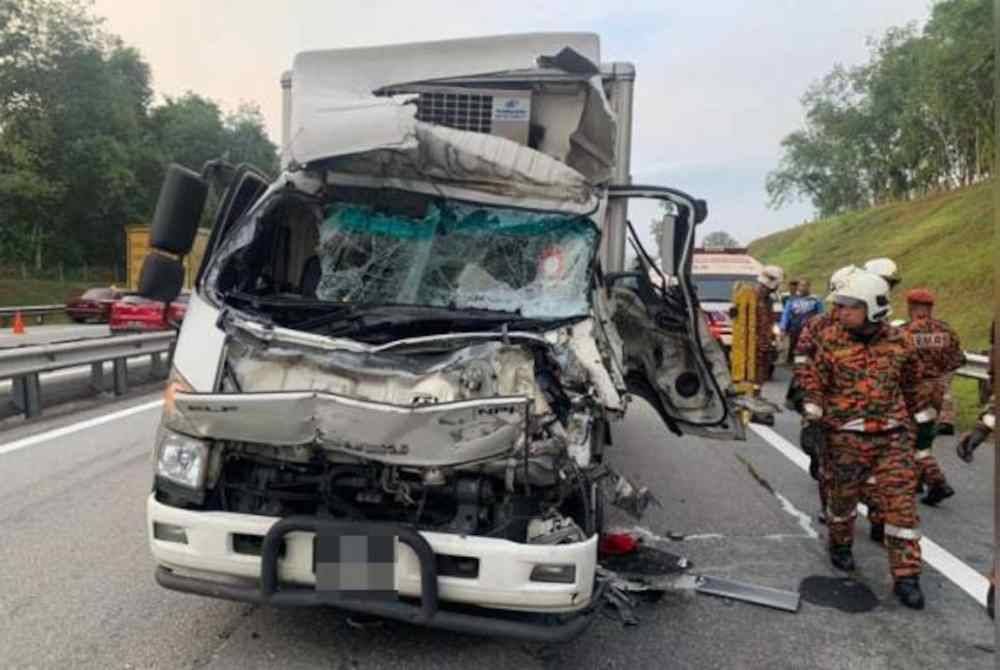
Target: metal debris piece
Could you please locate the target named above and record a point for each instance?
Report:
(751, 593)
(630, 497)
(615, 592)
(556, 529)
(756, 405)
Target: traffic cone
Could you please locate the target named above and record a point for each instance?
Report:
(18, 324)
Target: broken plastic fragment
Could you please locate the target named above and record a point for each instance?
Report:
(616, 544)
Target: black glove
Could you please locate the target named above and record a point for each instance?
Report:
(813, 441)
(925, 435)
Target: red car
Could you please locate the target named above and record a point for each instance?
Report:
(134, 313)
(93, 305)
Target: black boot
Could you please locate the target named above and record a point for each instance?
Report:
(938, 493)
(877, 533)
(907, 590)
(991, 601)
(945, 429)
(842, 558)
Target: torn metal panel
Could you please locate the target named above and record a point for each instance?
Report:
(335, 111)
(751, 593)
(467, 165)
(659, 347)
(592, 144)
(579, 356)
(431, 435)
(483, 370)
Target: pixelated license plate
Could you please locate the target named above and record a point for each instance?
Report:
(355, 566)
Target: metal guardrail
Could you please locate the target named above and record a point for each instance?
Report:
(977, 366)
(24, 365)
(38, 311)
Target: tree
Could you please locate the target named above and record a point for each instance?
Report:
(246, 139)
(82, 152)
(720, 239)
(917, 117)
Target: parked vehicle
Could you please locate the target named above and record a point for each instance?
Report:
(136, 314)
(93, 305)
(715, 273)
(411, 343)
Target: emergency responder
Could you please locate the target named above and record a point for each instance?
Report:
(793, 290)
(811, 436)
(768, 281)
(798, 311)
(885, 268)
(941, 354)
(863, 387)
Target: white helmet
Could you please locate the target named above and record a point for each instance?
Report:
(771, 276)
(838, 278)
(885, 268)
(868, 288)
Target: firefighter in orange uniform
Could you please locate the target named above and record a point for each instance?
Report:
(941, 353)
(863, 387)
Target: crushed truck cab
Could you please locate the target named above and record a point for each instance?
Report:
(394, 386)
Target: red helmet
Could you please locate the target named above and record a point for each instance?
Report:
(921, 296)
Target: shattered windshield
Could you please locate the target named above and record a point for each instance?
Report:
(458, 256)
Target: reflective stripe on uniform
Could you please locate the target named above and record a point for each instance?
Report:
(801, 360)
(902, 533)
(923, 453)
(871, 480)
(926, 415)
(990, 421)
(868, 426)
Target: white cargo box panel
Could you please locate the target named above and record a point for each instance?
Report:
(334, 111)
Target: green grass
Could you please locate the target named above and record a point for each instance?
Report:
(944, 242)
(38, 291)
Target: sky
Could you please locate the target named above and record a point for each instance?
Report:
(718, 82)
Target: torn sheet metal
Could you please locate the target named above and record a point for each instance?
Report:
(751, 593)
(335, 111)
(454, 163)
(577, 351)
(432, 435)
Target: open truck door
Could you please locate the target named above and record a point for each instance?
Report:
(670, 358)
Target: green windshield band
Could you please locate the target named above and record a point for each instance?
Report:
(465, 220)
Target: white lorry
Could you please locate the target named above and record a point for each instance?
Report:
(393, 388)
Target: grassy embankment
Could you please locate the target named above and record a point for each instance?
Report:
(944, 242)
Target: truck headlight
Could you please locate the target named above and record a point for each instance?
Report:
(181, 459)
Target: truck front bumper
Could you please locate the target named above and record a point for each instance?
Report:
(506, 602)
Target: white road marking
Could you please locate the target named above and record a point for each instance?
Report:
(77, 427)
(960, 574)
(804, 521)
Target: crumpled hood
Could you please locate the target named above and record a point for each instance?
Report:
(428, 435)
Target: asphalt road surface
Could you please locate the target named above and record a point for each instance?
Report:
(77, 589)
